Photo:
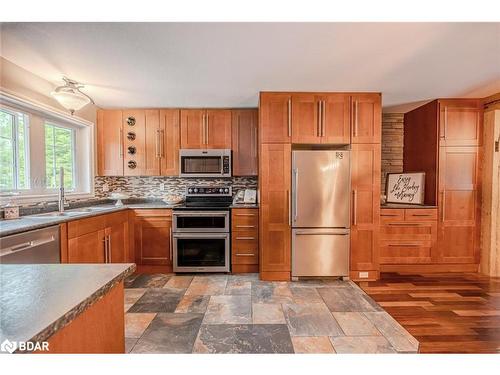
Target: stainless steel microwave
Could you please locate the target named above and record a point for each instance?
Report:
(205, 163)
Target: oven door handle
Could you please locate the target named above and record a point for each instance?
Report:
(191, 214)
(201, 235)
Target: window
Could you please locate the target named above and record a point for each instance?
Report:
(59, 153)
(35, 143)
(13, 151)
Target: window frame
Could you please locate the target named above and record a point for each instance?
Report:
(37, 115)
(15, 140)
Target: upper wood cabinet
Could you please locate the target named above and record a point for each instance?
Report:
(109, 143)
(366, 114)
(459, 203)
(244, 141)
(460, 122)
(152, 145)
(206, 129)
(365, 206)
(275, 117)
(321, 118)
(169, 142)
(275, 228)
(153, 237)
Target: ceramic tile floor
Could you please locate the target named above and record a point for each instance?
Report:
(241, 314)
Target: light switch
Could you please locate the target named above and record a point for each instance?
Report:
(105, 187)
(162, 186)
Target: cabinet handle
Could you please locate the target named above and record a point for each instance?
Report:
(245, 215)
(110, 249)
(354, 208)
(389, 215)
(171, 243)
(289, 117)
(318, 127)
(157, 146)
(162, 143)
(355, 118)
(105, 242)
(407, 224)
(245, 238)
(245, 255)
(443, 206)
(203, 129)
(420, 215)
(405, 245)
(323, 118)
(245, 226)
(121, 143)
(207, 132)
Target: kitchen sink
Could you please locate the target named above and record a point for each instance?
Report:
(57, 214)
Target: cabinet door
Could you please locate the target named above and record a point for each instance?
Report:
(244, 144)
(170, 141)
(109, 143)
(152, 139)
(153, 240)
(118, 245)
(192, 128)
(366, 117)
(460, 123)
(275, 232)
(336, 124)
(275, 117)
(365, 181)
(459, 204)
(134, 128)
(87, 248)
(306, 120)
(218, 128)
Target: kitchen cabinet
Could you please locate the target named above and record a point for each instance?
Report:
(206, 129)
(244, 240)
(153, 237)
(274, 224)
(443, 139)
(244, 141)
(169, 143)
(135, 141)
(365, 209)
(366, 113)
(109, 143)
(459, 202)
(321, 118)
(408, 236)
(275, 117)
(460, 122)
(98, 239)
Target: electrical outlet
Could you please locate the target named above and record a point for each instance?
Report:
(162, 186)
(105, 187)
(363, 275)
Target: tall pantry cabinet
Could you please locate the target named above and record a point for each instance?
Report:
(447, 133)
(288, 120)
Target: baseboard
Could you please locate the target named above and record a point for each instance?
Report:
(429, 268)
(275, 276)
(245, 268)
(147, 268)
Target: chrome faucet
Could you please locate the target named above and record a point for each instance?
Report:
(61, 199)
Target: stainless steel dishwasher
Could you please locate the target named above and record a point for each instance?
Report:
(35, 246)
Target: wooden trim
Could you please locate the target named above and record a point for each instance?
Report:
(275, 276)
(63, 240)
(429, 268)
(245, 268)
(99, 329)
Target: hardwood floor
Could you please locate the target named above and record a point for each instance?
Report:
(446, 313)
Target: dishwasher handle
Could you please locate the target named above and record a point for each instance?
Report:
(26, 245)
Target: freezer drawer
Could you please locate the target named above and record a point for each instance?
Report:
(320, 252)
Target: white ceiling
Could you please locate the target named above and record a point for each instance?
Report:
(226, 65)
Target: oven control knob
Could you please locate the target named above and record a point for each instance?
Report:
(226, 190)
(190, 190)
(195, 190)
(221, 190)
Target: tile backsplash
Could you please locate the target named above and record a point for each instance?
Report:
(149, 187)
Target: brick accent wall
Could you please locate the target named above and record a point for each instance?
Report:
(392, 145)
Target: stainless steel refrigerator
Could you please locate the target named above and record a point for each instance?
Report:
(320, 212)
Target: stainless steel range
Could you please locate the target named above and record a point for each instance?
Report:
(201, 230)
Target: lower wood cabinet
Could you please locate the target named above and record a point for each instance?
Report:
(408, 236)
(97, 239)
(244, 240)
(153, 237)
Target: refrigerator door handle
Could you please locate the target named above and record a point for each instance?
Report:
(296, 194)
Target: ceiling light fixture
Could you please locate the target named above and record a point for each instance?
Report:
(70, 96)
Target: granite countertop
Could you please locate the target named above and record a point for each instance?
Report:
(37, 300)
(401, 205)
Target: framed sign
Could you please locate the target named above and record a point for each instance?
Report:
(405, 188)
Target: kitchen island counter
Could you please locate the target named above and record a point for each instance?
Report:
(40, 300)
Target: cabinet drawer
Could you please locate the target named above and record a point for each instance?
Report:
(245, 219)
(407, 231)
(248, 235)
(405, 252)
(421, 214)
(392, 214)
(245, 252)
